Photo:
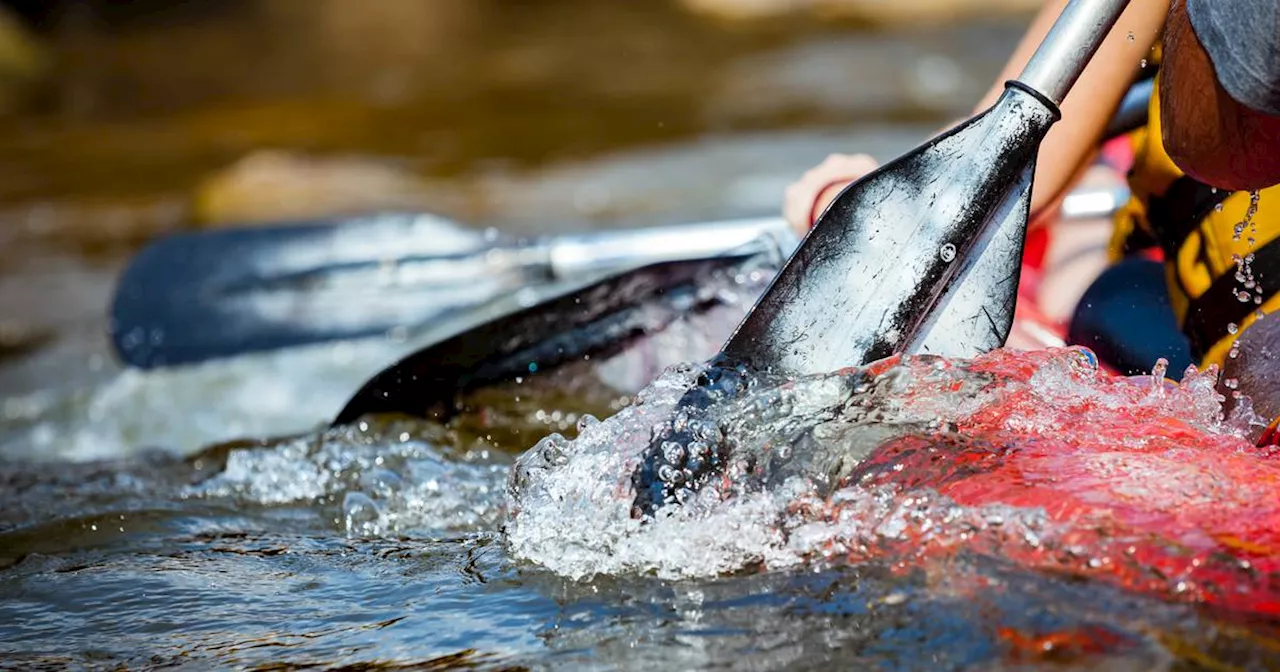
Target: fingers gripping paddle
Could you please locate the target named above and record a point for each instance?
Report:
(920, 256)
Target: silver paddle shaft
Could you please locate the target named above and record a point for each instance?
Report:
(506, 267)
(578, 255)
(1066, 50)
(606, 251)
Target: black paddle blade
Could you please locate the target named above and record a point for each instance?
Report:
(593, 322)
(921, 255)
(197, 296)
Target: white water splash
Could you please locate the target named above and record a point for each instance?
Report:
(570, 501)
(367, 485)
(181, 409)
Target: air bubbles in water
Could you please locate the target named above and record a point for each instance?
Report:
(586, 422)
(948, 252)
(675, 453)
(552, 450)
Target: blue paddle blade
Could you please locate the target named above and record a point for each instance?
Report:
(196, 296)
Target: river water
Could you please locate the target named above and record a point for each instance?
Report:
(159, 520)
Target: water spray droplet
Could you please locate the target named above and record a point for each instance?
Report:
(359, 513)
(1158, 373)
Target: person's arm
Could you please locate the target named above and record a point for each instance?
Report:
(1094, 98)
(1071, 141)
(1220, 91)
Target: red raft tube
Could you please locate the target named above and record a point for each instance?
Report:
(1068, 469)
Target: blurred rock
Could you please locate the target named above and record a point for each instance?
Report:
(20, 54)
(381, 50)
(280, 186)
(870, 11)
(23, 60)
(20, 338)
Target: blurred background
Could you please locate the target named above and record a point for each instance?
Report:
(122, 120)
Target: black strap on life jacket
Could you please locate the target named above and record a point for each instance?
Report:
(1209, 314)
(1180, 210)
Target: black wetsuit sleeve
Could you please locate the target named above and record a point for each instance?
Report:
(1242, 38)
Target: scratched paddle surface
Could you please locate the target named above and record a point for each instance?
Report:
(1020, 511)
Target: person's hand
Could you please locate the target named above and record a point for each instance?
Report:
(809, 196)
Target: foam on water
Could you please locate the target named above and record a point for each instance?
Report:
(183, 409)
(872, 463)
(371, 483)
(571, 503)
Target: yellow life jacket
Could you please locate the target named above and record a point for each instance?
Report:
(1196, 226)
